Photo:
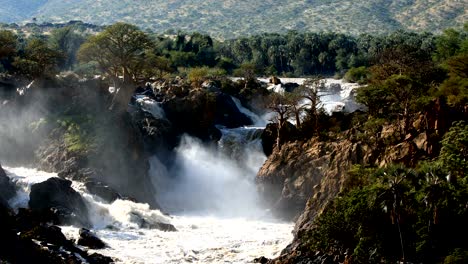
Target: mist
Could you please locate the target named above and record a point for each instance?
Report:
(22, 125)
(207, 180)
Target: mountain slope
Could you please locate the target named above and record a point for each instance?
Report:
(232, 18)
(18, 10)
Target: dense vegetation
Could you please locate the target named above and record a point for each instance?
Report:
(414, 211)
(230, 19)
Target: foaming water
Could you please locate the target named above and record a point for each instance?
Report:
(24, 178)
(198, 240)
(203, 239)
(119, 214)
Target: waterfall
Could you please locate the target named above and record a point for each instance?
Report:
(257, 120)
(210, 192)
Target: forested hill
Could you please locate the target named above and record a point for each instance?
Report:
(229, 18)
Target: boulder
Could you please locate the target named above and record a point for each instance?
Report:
(7, 188)
(58, 196)
(262, 260)
(290, 87)
(143, 223)
(103, 191)
(90, 240)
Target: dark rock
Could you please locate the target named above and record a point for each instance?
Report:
(90, 240)
(143, 223)
(289, 133)
(261, 260)
(269, 138)
(96, 258)
(49, 233)
(193, 114)
(227, 113)
(290, 87)
(105, 192)
(56, 194)
(7, 188)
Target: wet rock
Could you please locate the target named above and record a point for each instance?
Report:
(193, 114)
(96, 258)
(227, 113)
(143, 223)
(48, 233)
(100, 189)
(290, 87)
(7, 188)
(58, 196)
(90, 240)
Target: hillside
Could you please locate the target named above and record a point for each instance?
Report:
(228, 18)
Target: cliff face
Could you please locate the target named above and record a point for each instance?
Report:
(302, 178)
(308, 171)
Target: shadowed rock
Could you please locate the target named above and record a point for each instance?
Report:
(56, 194)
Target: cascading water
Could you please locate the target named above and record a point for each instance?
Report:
(210, 193)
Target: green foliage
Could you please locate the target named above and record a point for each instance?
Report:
(458, 256)
(357, 75)
(451, 43)
(455, 88)
(67, 41)
(8, 44)
(119, 50)
(77, 137)
(39, 59)
(396, 214)
(197, 76)
(454, 152)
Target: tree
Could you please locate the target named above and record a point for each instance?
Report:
(8, 47)
(281, 106)
(67, 42)
(8, 44)
(119, 50)
(39, 59)
(456, 86)
(313, 107)
(454, 152)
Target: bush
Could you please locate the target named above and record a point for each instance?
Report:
(357, 75)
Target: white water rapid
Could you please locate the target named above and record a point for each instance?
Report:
(199, 239)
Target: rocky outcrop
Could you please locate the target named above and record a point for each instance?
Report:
(119, 160)
(270, 133)
(151, 223)
(227, 113)
(193, 114)
(301, 170)
(103, 191)
(7, 188)
(27, 238)
(90, 240)
(57, 195)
